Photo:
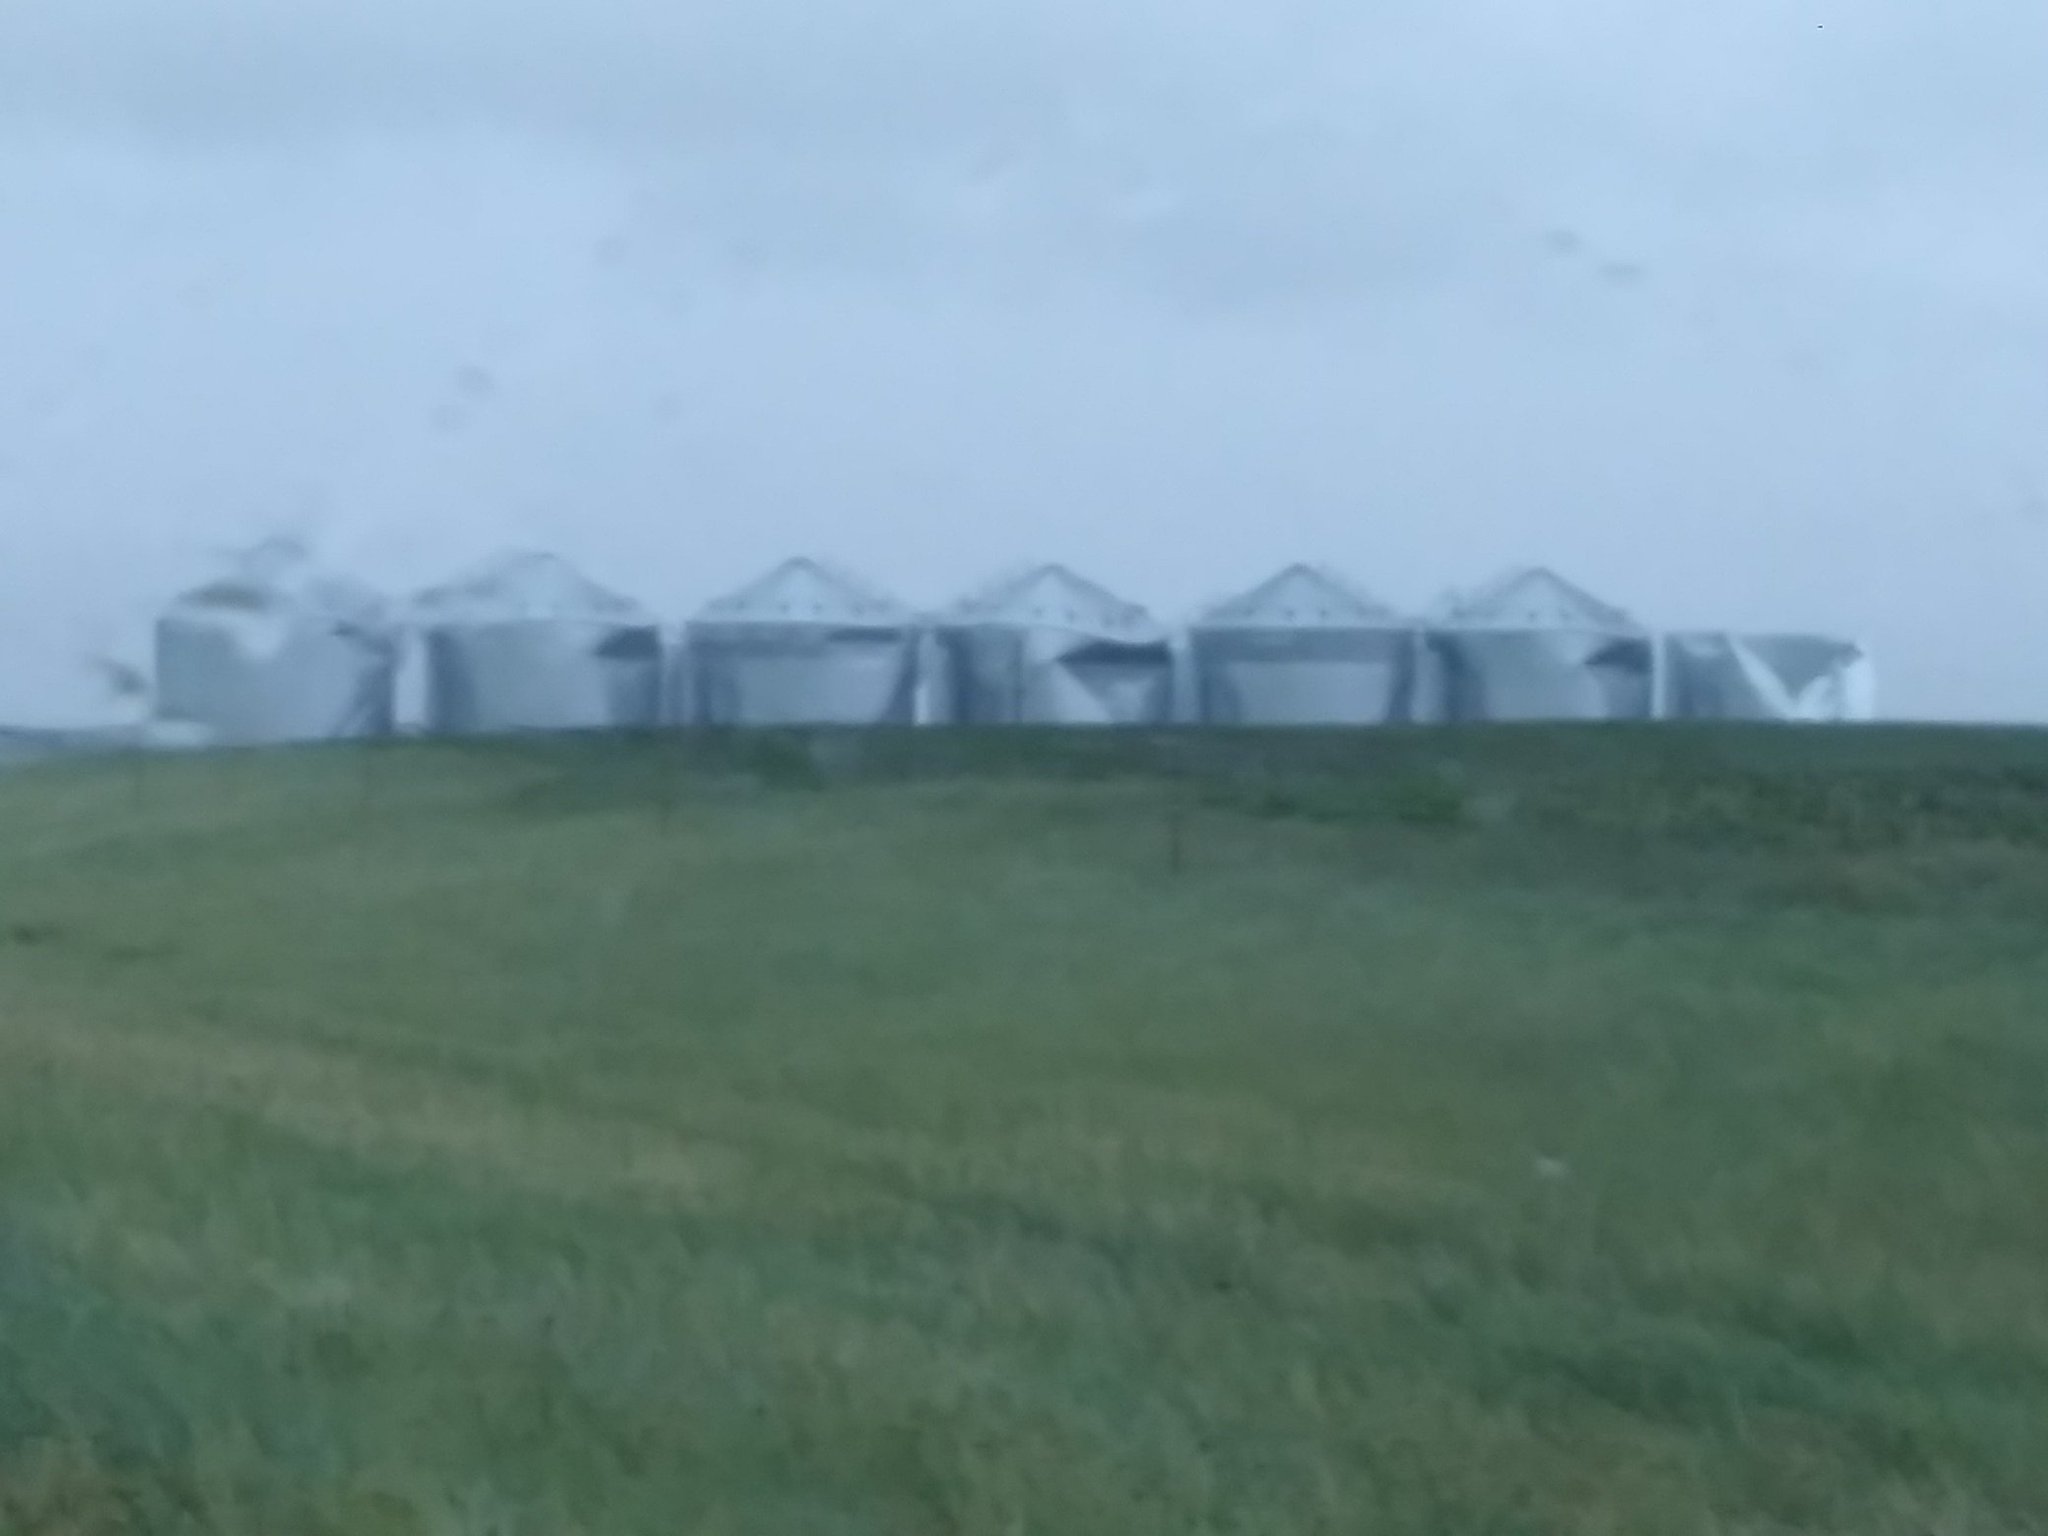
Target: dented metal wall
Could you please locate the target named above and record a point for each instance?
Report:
(1529, 675)
(1533, 647)
(1806, 678)
(276, 651)
(1302, 649)
(1051, 648)
(529, 644)
(805, 645)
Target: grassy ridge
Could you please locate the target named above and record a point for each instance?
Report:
(1508, 1132)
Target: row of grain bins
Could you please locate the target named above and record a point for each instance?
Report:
(279, 650)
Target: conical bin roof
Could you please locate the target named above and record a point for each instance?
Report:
(527, 586)
(1300, 597)
(808, 591)
(1535, 597)
(1054, 597)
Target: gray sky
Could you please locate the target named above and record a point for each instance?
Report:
(1736, 313)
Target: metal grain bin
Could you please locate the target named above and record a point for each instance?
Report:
(1532, 646)
(1048, 647)
(276, 650)
(1303, 648)
(528, 643)
(805, 645)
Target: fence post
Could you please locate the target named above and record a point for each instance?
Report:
(1178, 788)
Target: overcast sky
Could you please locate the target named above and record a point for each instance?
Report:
(1736, 313)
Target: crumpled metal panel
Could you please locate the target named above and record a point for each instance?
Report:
(1543, 674)
(800, 674)
(997, 675)
(528, 643)
(276, 652)
(1306, 677)
(542, 675)
(1769, 677)
(317, 683)
(1048, 647)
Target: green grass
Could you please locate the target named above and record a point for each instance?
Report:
(1514, 1132)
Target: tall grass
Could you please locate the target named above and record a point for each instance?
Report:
(1513, 1132)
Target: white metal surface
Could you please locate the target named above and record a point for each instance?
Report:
(1807, 678)
(805, 645)
(528, 643)
(275, 651)
(1048, 647)
(1303, 648)
(1533, 646)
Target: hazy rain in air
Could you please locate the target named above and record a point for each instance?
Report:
(1733, 317)
(648, 1045)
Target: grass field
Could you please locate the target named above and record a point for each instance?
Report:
(1538, 1131)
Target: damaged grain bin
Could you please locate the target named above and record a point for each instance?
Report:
(807, 644)
(1303, 648)
(277, 650)
(529, 643)
(1048, 647)
(1532, 646)
(1802, 678)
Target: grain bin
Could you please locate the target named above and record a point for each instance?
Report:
(806, 644)
(1302, 648)
(1049, 647)
(528, 643)
(1722, 676)
(1533, 646)
(276, 650)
